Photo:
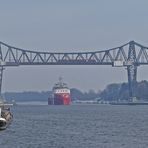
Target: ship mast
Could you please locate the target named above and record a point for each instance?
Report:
(60, 80)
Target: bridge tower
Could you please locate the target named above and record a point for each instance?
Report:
(1, 71)
(132, 70)
(1, 76)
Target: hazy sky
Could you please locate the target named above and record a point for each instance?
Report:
(70, 25)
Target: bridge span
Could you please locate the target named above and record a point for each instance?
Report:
(130, 55)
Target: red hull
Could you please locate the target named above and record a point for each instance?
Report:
(60, 99)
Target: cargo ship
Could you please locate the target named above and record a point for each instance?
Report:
(60, 94)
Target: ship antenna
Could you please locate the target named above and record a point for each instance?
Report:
(61, 80)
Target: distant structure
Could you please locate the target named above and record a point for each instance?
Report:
(130, 55)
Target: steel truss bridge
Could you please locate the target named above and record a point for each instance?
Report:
(130, 55)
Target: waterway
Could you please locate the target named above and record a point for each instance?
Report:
(77, 126)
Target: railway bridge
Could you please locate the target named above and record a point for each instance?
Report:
(130, 55)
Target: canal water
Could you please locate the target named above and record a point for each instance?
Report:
(77, 126)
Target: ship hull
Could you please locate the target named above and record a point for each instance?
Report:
(60, 99)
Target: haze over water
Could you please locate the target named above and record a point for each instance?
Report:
(77, 126)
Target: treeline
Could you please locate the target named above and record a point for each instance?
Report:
(26, 96)
(114, 92)
(79, 95)
(43, 96)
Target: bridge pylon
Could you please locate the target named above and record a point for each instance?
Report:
(1, 70)
(132, 70)
(1, 77)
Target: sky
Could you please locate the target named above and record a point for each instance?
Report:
(67, 26)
